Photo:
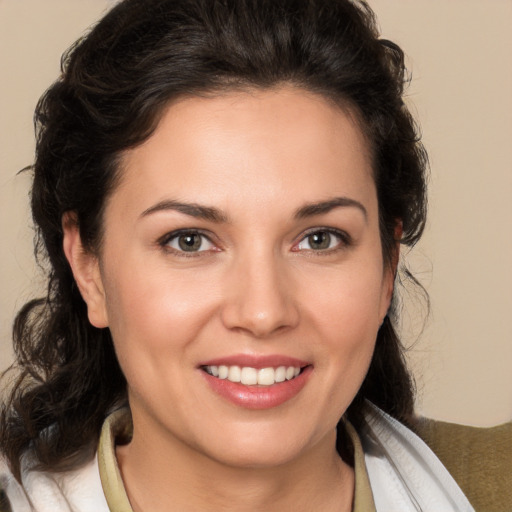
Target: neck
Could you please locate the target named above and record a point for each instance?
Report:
(159, 470)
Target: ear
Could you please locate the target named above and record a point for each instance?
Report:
(399, 231)
(392, 268)
(86, 271)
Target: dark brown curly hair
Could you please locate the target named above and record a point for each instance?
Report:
(115, 84)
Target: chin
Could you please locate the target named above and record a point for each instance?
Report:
(262, 458)
(262, 448)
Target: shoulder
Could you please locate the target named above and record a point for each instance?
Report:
(479, 459)
(79, 490)
(12, 496)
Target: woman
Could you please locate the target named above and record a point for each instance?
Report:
(221, 189)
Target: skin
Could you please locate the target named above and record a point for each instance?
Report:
(257, 286)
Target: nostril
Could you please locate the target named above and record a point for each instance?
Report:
(259, 301)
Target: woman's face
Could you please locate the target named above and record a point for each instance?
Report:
(243, 239)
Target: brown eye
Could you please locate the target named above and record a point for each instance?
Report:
(319, 240)
(323, 240)
(189, 242)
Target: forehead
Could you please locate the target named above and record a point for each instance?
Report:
(265, 145)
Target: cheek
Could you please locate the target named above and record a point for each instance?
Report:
(345, 334)
(350, 300)
(151, 313)
(345, 316)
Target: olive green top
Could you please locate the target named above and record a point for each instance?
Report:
(479, 459)
(116, 426)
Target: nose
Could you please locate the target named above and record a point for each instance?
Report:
(260, 297)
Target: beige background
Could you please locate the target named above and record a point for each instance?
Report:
(460, 56)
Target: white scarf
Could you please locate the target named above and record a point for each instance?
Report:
(405, 474)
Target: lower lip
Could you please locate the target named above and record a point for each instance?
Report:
(258, 397)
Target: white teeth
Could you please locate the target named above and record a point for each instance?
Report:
(234, 374)
(266, 376)
(280, 374)
(251, 376)
(290, 372)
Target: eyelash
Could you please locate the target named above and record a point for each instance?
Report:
(344, 241)
(174, 235)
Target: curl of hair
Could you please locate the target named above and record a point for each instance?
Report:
(114, 86)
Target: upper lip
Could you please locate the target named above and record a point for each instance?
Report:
(256, 361)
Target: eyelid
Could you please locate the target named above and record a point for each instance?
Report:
(344, 237)
(168, 237)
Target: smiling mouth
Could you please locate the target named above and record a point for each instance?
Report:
(249, 376)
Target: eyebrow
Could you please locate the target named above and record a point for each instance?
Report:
(213, 214)
(193, 209)
(322, 207)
